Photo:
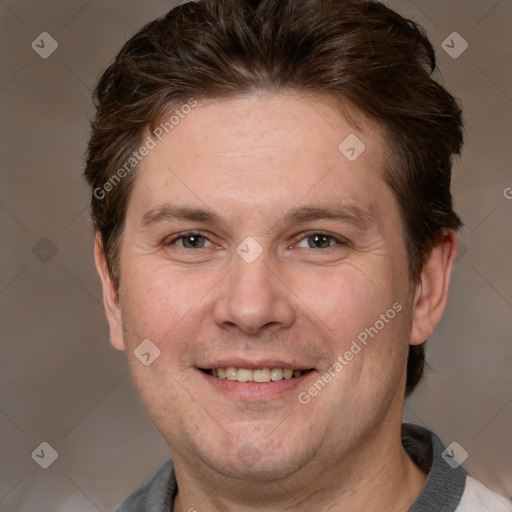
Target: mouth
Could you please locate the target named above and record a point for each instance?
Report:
(257, 375)
(256, 380)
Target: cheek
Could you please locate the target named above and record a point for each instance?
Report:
(156, 300)
(364, 321)
(344, 300)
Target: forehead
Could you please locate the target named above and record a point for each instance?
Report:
(261, 151)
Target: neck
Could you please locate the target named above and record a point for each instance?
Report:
(377, 475)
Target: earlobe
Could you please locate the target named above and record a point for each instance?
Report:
(110, 296)
(431, 293)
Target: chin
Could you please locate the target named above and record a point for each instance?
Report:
(264, 461)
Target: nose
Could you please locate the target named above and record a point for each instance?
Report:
(254, 296)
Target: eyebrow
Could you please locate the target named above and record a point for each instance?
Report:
(169, 212)
(346, 212)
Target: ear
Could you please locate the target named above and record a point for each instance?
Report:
(431, 292)
(110, 296)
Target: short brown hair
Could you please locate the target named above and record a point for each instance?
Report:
(359, 52)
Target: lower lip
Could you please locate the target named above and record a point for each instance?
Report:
(256, 391)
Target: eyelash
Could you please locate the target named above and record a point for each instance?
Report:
(338, 240)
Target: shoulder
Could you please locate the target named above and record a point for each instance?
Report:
(449, 488)
(477, 497)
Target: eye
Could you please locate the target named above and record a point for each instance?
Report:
(320, 241)
(190, 240)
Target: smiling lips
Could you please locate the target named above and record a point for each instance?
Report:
(259, 375)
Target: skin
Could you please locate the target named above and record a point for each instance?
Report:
(251, 160)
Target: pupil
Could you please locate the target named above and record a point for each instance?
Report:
(320, 241)
(193, 240)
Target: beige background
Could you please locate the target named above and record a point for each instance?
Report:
(62, 383)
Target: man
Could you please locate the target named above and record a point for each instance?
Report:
(275, 238)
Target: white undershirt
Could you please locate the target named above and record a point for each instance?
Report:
(478, 498)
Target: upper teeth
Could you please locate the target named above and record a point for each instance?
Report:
(259, 375)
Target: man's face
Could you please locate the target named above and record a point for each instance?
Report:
(265, 280)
